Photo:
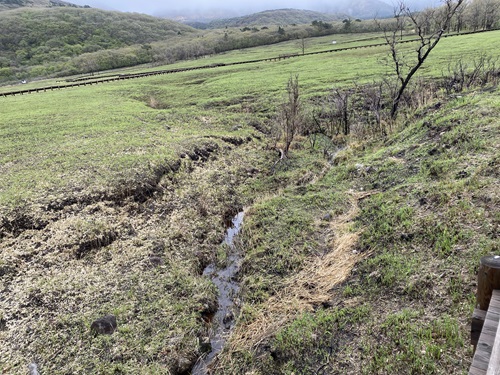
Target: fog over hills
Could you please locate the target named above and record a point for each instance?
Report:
(206, 10)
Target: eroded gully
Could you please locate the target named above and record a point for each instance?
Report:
(224, 319)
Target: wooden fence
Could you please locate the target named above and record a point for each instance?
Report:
(485, 332)
(86, 81)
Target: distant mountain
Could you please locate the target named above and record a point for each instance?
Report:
(14, 4)
(364, 9)
(274, 17)
(200, 16)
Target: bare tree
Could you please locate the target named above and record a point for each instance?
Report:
(374, 100)
(335, 116)
(474, 15)
(303, 44)
(490, 13)
(290, 114)
(340, 101)
(429, 27)
(459, 19)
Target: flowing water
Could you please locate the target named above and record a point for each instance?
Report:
(224, 319)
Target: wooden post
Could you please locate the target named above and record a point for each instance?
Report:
(488, 278)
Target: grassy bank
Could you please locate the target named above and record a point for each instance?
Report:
(376, 273)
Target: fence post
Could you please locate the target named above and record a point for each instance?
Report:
(488, 278)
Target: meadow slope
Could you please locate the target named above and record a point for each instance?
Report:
(362, 259)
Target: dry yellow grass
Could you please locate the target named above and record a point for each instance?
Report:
(310, 287)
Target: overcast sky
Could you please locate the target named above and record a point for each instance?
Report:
(154, 6)
(158, 7)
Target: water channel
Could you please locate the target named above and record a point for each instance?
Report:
(224, 319)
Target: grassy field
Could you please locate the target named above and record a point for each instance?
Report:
(99, 135)
(113, 199)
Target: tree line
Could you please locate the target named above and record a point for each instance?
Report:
(61, 42)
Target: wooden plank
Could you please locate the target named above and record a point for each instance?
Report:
(494, 362)
(478, 318)
(487, 338)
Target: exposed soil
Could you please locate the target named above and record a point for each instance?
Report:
(138, 254)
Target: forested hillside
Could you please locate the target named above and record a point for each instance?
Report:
(13, 4)
(275, 17)
(34, 36)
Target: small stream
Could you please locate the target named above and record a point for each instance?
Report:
(224, 319)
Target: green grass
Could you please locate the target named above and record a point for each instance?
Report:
(341, 66)
(93, 140)
(413, 345)
(424, 229)
(97, 180)
(309, 341)
(112, 129)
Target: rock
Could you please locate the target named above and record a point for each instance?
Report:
(156, 261)
(104, 326)
(184, 365)
(228, 318)
(205, 345)
(327, 217)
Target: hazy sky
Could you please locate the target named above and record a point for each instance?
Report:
(153, 6)
(156, 7)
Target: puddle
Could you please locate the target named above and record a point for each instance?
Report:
(224, 319)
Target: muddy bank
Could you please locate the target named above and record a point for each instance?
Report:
(38, 214)
(140, 260)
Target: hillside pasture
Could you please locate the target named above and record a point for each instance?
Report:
(113, 199)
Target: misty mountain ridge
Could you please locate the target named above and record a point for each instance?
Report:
(357, 8)
(274, 17)
(364, 9)
(353, 8)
